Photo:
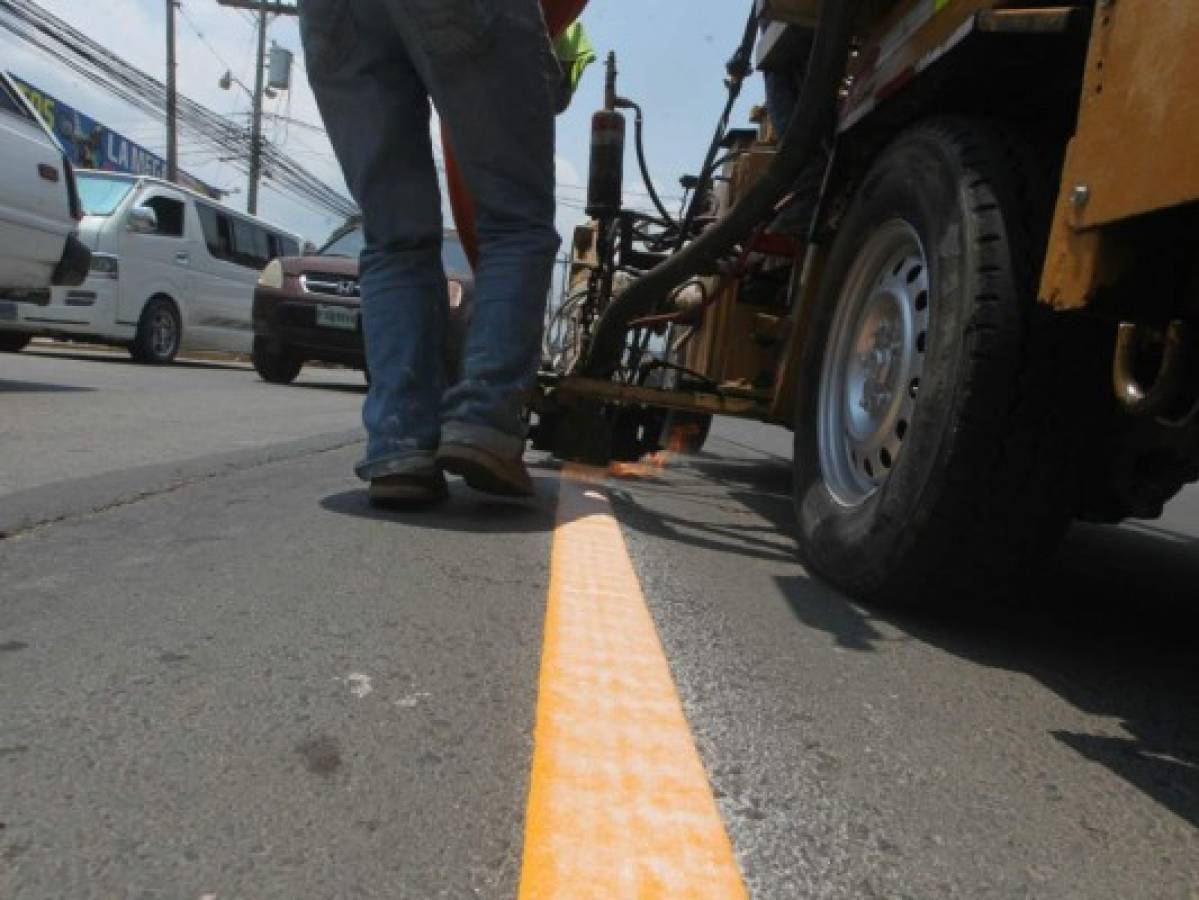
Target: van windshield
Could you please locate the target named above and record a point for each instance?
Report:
(102, 194)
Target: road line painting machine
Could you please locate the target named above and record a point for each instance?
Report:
(986, 327)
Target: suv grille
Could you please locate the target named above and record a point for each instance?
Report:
(330, 285)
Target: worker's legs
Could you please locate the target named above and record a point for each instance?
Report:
(376, 111)
(490, 70)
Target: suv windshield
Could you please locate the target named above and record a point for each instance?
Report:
(351, 243)
(102, 194)
(348, 244)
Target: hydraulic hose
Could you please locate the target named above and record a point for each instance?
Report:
(642, 162)
(826, 70)
(740, 67)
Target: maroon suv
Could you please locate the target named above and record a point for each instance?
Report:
(307, 307)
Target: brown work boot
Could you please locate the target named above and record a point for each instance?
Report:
(485, 471)
(408, 491)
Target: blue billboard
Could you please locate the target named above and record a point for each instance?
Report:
(91, 145)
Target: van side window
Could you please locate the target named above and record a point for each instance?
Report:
(241, 241)
(218, 232)
(250, 244)
(170, 215)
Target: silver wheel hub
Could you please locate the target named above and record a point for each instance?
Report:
(162, 332)
(873, 363)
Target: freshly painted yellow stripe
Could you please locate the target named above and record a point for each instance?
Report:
(619, 802)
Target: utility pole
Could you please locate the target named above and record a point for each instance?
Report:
(172, 99)
(256, 120)
(263, 8)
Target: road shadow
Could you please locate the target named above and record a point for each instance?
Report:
(466, 512)
(1111, 624)
(763, 488)
(36, 387)
(120, 358)
(331, 386)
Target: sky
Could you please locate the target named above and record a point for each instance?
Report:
(671, 60)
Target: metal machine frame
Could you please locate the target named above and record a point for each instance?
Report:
(1116, 67)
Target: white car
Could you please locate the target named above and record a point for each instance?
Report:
(170, 269)
(39, 214)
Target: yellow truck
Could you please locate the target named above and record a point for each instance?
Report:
(984, 328)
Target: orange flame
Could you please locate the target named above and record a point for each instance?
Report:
(648, 467)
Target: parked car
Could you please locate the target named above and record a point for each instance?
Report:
(307, 308)
(39, 214)
(171, 269)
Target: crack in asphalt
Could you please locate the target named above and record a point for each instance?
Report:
(262, 457)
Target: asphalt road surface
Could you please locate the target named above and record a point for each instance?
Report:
(223, 676)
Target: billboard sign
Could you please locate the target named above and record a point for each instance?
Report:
(91, 145)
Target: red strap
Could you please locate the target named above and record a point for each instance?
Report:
(559, 14)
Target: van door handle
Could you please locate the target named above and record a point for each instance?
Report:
(184, 259)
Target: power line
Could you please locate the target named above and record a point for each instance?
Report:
(203, 39)
(271, 7)
(221, 139)
(29, 22)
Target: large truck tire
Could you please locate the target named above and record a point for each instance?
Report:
(931, 461)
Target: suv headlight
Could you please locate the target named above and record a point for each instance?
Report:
(105, 265)
(272, 276)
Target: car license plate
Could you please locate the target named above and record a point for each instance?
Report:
(337, 317)
(8, 311)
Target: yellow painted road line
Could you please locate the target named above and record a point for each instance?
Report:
(619, 802)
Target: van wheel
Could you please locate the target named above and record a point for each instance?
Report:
(14, 341)
(275, 366)
(931, 460)
(159, 333)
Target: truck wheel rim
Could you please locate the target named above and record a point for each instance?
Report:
(163, 333)
(873, 363)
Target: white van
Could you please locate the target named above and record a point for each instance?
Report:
(39, 212)
(171, 269)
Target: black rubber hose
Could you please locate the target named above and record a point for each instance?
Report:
(740, 67)
(826, 70)
(643, 163)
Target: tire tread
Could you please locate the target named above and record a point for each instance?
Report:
(1006, 493)
(1016, 498)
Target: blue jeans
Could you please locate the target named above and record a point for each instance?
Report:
(488, 67)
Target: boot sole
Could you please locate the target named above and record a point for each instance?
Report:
(484, 472)
(407, 496)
